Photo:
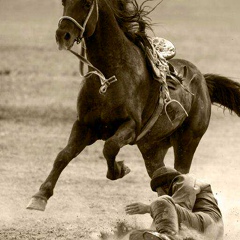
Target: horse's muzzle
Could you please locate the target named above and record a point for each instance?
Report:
(64, 39)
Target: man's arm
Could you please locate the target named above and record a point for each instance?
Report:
(137, 208)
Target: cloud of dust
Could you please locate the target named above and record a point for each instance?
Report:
(123, 229)
(120, 231)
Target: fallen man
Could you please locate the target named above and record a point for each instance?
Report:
(182, 201)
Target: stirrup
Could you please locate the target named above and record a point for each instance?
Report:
(167, 102)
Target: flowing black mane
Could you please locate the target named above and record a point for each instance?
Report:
(133, 18)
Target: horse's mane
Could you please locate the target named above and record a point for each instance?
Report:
(133, 18)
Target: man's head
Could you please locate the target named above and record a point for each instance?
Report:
(162, 178)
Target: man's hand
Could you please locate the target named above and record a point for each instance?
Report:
(137, 208)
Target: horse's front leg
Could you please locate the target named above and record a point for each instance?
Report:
(80, 137)
(123, 136)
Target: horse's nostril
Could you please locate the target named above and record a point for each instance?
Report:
(67, 36)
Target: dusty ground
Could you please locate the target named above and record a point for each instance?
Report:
(39, 87)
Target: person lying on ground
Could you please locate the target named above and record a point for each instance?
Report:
(182, 200)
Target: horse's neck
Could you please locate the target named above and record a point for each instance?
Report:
(108, 45)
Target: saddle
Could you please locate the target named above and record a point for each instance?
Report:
(158, 52)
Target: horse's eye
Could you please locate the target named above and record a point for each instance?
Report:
(88, 3)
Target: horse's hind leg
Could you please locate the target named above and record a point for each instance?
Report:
(184, 144)
(123, 136)
(153, 153)
(79, 138)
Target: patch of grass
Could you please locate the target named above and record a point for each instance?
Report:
(47, 115)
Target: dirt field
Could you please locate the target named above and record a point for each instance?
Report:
(39, 87)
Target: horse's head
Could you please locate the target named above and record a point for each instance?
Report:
(79, 20)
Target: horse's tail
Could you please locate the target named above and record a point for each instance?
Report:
(224, 91)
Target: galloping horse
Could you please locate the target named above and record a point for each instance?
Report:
(119, 113)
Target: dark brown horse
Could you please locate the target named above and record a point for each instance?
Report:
(111, 30)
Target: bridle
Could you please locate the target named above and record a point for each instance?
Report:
(81, 27)
(105, 83)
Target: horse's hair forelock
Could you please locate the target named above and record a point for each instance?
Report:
(132, 18)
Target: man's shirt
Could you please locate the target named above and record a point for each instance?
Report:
(197, 196)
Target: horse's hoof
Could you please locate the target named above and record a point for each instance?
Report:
(110, 176)
(126, 170)
(121, 170)
(37, 204)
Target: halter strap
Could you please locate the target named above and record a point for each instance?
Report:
(73, 20)
(81, 27)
